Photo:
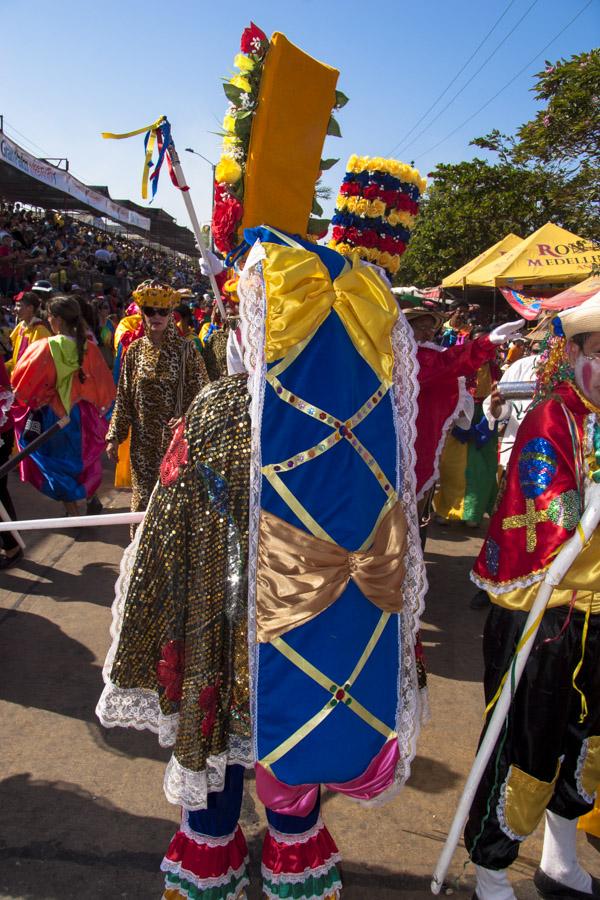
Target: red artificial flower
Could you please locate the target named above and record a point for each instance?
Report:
(390, 197)
(338, 233)
(169, 669)
(369, 238)
(252, 39)
(371, 192)
(353, 235)
(227, 214)
(176, 456)
(208, 701)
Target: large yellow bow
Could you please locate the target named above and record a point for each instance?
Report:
(300, 296)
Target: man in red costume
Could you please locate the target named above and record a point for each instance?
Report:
(440, 396)
(548, 757)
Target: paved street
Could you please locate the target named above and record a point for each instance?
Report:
(82, 811)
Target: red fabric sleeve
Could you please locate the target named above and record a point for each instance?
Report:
(457, 361)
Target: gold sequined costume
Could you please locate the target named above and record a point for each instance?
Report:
(181, 667)
(147, 398)
(215, 354)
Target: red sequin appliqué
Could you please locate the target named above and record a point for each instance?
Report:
(207, 701)
(169, 669)
(176, 456)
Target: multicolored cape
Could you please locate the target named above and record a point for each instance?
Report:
(540, 503)
(67, 467)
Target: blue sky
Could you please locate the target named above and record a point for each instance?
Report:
(71, 69)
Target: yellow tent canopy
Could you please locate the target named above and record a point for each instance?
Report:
(457, 279)
(549, 255)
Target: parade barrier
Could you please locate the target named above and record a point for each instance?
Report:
(129, 518)
(587, 525)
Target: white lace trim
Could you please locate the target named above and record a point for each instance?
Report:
(303, 838)
(175, 868)
(131, 707)
(501, 812)
(190, 789)
(588, 798)
(462, 396)
(299, 877)
(252, 294)
(204, 840)
(404, 396)
(136, 708)
(493, 588)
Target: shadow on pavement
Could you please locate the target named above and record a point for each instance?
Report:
(60, 841)
(46, 669)
(95, 583)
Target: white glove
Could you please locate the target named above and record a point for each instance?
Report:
(215, 265)
(507, 332)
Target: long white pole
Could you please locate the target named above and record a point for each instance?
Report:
(129, 518)
(196, 228)
(4, 516)
(555, 574)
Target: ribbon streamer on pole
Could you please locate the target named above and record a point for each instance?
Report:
(159, 134)
(572, 548)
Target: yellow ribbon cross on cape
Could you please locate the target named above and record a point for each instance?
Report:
(301, 294)
(149, 148)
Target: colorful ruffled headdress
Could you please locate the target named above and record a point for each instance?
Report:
(376, 210)
(155, 293)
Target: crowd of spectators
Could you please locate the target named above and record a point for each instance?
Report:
(53, 247)
(51, 252)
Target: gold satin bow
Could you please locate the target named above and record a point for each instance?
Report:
(300, 296)
(299, 575)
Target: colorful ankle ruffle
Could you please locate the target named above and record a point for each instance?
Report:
(301, 866)
(202, 868)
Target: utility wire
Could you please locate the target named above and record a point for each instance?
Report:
(24, 137)
(473, 76)
(458, 74)
(508, 83)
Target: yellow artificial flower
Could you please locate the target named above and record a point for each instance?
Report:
(240, 82)
(377, 209)
(244, 63)
(229, 124)
(230, 141)
(228, 171)
(341, 201)
(401, 217)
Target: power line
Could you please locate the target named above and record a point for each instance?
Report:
(25, 138)
(508, 83)
(458, 74)
(473, 76)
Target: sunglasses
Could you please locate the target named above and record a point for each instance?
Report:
(155, 311)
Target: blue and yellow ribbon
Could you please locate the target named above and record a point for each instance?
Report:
(158, 132)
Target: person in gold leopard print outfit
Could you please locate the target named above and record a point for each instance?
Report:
(161, 375)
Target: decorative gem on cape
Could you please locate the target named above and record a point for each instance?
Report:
(492, 556)
(537, 467)
(565, 510)
(169, 670)
(176, 457)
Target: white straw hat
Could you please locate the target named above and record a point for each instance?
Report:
(580, 319)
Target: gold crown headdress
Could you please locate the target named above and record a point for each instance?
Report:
(154, 293)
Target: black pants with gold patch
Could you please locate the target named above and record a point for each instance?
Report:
(546, 757)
